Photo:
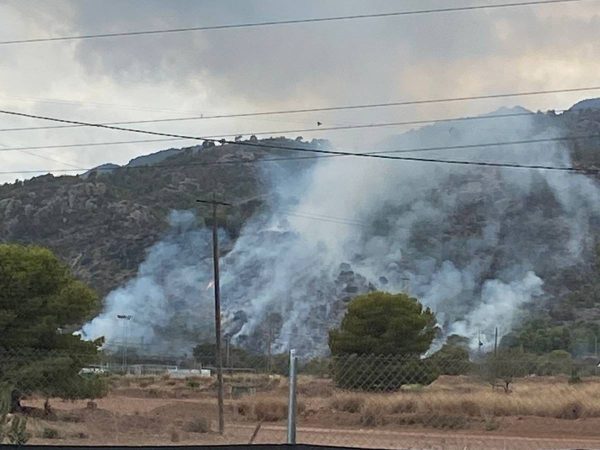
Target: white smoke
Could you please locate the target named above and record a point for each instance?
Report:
(500, 303)
(163, 301)
(473, 243)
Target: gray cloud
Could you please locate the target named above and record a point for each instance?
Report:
(325, 60)
(426, 56)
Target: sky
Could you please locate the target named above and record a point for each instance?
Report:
(452, 54)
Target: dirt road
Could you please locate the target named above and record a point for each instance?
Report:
(373, 438)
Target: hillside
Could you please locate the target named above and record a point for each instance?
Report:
(101, 223)
(484, 247)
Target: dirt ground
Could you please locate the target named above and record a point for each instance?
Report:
(152, 412)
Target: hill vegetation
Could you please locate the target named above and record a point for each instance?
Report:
(102, 223)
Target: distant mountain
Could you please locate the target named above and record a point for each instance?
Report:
(103, 168)
(505, 110)
(154, 158)
(144, 160)
(591, 103)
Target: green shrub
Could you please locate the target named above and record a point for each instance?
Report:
(574, 378)
(554, 363)
(198, 425)
(453, 357)
(381, 373)
(317, 366)
(50, 433)
(93, 386)
(13, 430)
(193, 384)
(502, 368)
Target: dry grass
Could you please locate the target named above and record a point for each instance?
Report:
(314, 387)
(144, 381)
(69, 417)
(542, 407)
(377, 410)
(198, 425)
(50, 433)
(351, 403)
(458, 396)
(267, 409)
(175, 436)
(371, 413)
(261, 382)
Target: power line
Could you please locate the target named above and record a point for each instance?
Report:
(333, 155)
(88, 144)
(47, 158)
(588, 171)
(321, 109)
(300, 130)
(287, 22)
(492, 144)
(404, 150)
(162, 166)
(297, 130)
(320, 217)
(284, 147)
(123, 106)
(384, 155)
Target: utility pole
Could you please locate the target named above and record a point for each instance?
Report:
(228, 353)
(217, 287)
(269, 352)
(291, 424)
(269, 333)
(496, 342)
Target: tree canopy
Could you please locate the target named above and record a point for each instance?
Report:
(39, 298)
(453, 357)
(541, 336)
(41, 304)
(384, 324)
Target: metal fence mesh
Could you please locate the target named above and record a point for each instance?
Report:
(357, 401)
(494, 402)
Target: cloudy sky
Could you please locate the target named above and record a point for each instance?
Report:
(280, 67)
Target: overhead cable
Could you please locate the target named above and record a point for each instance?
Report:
(287, 22)
(383, 155)
(323, 109)
(274, 132)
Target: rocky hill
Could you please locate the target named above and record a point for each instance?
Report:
(481, 246)
(102, 222)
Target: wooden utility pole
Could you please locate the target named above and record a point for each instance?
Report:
(406, 285)
(496, 342)
(227, 346)
(269, 344)
(217, 287)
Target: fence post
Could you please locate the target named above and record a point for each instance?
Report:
(291, 424)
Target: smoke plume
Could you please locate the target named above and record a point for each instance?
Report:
(479, 245)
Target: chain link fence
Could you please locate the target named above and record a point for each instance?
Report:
(504, 401)
(369, 401)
